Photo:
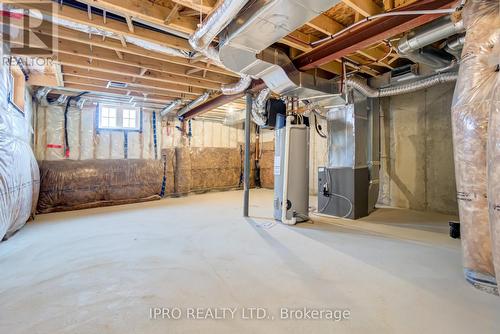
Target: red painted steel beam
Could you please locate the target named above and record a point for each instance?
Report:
(220, 100)
(364, 35)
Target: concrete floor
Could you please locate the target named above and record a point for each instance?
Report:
(101, 270)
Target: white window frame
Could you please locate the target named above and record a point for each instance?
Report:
(119, 118)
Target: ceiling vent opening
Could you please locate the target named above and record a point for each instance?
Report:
(116, 84)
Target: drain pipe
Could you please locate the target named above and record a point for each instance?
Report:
(360, 85)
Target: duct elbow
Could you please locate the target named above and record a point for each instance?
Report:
(237, 87)
(258, 107)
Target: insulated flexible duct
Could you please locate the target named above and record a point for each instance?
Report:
(237, 87)
(471, 106)
(360, 85)
(170, 107)
(258, 107)
(200, 40)
(194, 103)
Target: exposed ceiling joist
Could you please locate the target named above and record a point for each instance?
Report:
(131, 81)
(364, 7)
(149, 11)
(205, 6)
(183, 84)
(80, 49)
(111, 44)
(103, 83)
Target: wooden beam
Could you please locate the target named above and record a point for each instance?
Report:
(325, 24)
(111, 44)
(130, 24)
(138, 96)
(149, 11)
(115, 27)
(58, 74)
(205, 6)
(173, 14)
(154, 93)
(369, 33)
(188, 84)
(388, 5)
(138, 82)
(364, 7)
(75, 48)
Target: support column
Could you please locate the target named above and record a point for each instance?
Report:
(247, 155)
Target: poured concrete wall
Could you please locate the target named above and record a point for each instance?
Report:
(416, 151)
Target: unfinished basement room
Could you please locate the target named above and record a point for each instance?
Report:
(250, 166)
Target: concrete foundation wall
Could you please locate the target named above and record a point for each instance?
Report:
(417, 169)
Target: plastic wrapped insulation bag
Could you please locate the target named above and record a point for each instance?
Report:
(19, 175)
(494, 153)
(471, 107)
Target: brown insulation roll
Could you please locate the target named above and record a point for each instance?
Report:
(470, 110)
(267, 165)
(214, 168)
(182, 170)
(71, 185)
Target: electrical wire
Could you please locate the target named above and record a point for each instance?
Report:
(329, 180)
(318, 127)
(66, 109)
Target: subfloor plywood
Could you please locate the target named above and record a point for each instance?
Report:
(101, 270)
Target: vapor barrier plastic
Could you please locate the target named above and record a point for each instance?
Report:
(471, 106)
(19, 178)
(494, 159)
(72, 185)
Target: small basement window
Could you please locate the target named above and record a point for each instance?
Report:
(117, 118)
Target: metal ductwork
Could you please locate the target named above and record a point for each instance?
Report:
(454, 46)
(361, 86)
(199, 100)
(244, 46)
(209, 29)
(168, 109)
(414, 46)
